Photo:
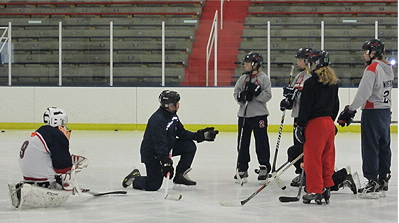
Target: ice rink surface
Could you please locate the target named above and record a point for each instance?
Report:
(113, 154)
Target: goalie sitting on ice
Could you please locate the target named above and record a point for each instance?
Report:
(47, 166)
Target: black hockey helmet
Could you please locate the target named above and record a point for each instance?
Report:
(303, 53)
(374, 45)
(253, 58)
(166, 97)
(319, 58)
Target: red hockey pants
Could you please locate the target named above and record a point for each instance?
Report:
(319, 154)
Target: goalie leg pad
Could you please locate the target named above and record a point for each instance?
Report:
(39, 197)
(15, 193)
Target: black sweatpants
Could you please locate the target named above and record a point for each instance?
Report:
(257, 125)
(186, 149)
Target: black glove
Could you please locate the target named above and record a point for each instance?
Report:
(346, 116)
(167, 166)
(299, 133)
(253, 88)
(207, 134)
(285, 104)
(290, 93)
(244, 96)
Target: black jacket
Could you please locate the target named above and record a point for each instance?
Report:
(317, 100)
(163, 128)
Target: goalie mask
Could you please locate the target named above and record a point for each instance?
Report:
(55, 117)
(318, 59)
(167, 97)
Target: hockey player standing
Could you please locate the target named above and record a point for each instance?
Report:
(165, 132)
(292, 94)
(252, 90)
(47, 164)
(315, 127)
(374, 97)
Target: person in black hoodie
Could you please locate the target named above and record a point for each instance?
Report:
(165, 133)
(315, 127)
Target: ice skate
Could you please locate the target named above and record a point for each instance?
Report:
(307, 198)
(383, 182)
(183, 182)
(263, 174)
(243, 175)
(130, 178)
(370, 191)
(349, 182)
(297, 180)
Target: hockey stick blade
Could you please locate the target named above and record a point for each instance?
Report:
(288, 199)
(96, 194)
(230, 203)
(173, 197)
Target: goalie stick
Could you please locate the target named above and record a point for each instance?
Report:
(230, 203)
(297, 198)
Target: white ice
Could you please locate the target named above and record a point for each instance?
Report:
(112, 155)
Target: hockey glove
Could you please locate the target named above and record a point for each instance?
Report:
(207, 134)
(346, 116)
(244, 96)
(253, 88)
(290, 93)
(299, 133)
(167, 166)
(285, 104)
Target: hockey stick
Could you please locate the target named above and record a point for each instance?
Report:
(279, 182)
(230, 203)
(172, 197)
(97, 194)
(297, 198)
(240, 180)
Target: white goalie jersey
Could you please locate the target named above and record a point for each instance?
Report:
(35, 160)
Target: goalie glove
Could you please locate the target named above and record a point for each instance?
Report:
(79, 162)
(346, 116)
(207, 134)
(67, 182)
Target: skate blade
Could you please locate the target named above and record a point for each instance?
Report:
(242, 181)
(184, 187)
(373, 195)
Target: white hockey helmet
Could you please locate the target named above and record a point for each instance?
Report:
(54, 117)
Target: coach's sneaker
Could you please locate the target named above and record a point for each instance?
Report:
(243, 176)
(182, 181)
(15, 193)
(130, 178)
(263, 174)
(370, 190)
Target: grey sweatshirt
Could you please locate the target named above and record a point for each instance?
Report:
(257, 106)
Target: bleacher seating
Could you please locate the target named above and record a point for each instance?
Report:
(137, 46)
(296, 24)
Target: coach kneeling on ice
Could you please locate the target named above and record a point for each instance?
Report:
(47, 166)
(164, 137)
